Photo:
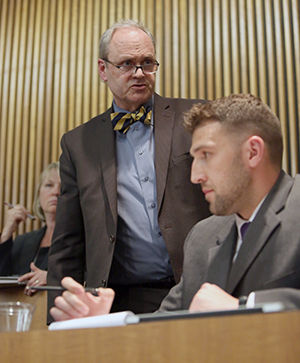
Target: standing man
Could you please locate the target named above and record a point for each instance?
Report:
(249, 251)
(126, 201)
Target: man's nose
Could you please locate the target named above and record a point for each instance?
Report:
(197, 173)
(138, 72)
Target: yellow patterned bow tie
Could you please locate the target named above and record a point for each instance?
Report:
(122, 121)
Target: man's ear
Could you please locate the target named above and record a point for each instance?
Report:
(102, 69)
(255, 150)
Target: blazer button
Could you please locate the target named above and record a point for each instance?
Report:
(103, 283)
(112, 238)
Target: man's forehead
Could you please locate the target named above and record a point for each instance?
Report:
(207, 135)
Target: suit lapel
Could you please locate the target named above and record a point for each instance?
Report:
(107, 155)
(260, 230)
(219, 260)
(163, 131)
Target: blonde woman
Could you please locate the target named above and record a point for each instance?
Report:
(27, 255)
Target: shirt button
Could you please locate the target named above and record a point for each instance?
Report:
(159, 233)
(141, 152)
(152, 205)
(146, 179)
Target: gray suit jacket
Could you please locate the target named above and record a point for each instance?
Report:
(268, 262)
(86, 220)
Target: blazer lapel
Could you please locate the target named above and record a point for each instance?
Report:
(163, 130)
(260, 230)
(107, 157)
(220, 257)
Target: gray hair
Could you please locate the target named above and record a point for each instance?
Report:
(37, 209)
(107, 35)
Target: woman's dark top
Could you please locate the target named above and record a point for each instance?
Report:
(16, 256)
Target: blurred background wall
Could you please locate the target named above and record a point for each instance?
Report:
(206, 49)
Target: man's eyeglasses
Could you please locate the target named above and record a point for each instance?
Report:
(147, 67)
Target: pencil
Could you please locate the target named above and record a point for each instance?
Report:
(92, 290)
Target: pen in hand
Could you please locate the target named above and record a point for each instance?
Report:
(92, 290)
(10, 205)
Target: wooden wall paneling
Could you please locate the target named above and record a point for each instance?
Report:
(290, 87)
(281, 82)
(87, 54)
(135, 5)
(271, 60)
(57, 74)
(21, 111)
(218, 67)
(14, 115)
(43, 139)
(261, 50)
(51, 143)
(201, 39)
(252, 47)
(229, 47)
(296, 36)
(41, 26)
(34, 124)
(184, 45)
(192, 55)
(103, 18)
(80, 65)
(235, 48)
(8, 125)
(27, 150)
(127, 10)
(244, 51)
(95, 79)
(209, 50)
(72, 120)
(4, 82)
(63, 102)
(159, 36)
(166, 67)
(174, 28)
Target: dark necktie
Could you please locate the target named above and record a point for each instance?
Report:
(244, 228)
(122, 121)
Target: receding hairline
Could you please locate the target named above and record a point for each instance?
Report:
(108, 34)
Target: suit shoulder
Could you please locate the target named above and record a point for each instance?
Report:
(188, 101)
(33, 235)
(210, 226)
(88, 124)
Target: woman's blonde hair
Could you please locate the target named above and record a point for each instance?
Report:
(37, 209)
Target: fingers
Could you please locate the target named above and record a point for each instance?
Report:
(34, 281)
(73, 286)
(26, 277)
(75, 302)
(70, 305)
(33, 278)
(102, 304)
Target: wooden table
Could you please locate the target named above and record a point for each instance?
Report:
(240, 338)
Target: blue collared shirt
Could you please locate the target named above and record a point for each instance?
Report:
(140, 252)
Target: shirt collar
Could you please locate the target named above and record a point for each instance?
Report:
(149, 104)
(240, 221)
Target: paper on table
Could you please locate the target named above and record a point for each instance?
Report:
(100, 321)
